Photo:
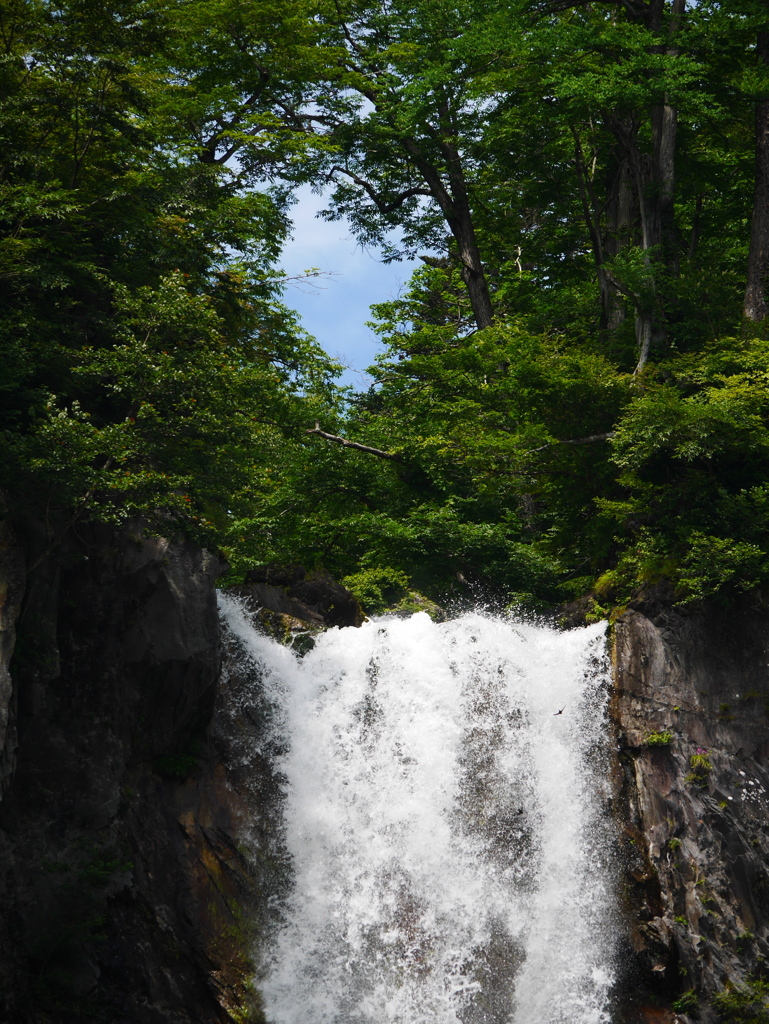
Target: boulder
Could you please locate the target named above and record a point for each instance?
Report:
(314, 599)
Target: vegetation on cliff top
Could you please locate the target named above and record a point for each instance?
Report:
(573, 388)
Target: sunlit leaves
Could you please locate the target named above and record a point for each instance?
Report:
(148, 365)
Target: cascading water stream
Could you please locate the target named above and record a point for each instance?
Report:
(446, 828)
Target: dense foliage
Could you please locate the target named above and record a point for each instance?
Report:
(148, 365)
(572, 394)
(747, 1005)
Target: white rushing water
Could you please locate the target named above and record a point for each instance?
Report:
(450, 847)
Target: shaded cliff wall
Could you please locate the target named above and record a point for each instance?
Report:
(692, 713)
(133, 769)
(124, 895)
(12, 585)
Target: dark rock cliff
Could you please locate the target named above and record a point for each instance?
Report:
(122, 888)
(692, 712)
(12, 583)
(139, 852)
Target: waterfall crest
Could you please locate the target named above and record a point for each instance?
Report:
(447, 830)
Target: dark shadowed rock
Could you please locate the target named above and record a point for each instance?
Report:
(315, 598)
(124, 893)
(692, 712)
(12, 582)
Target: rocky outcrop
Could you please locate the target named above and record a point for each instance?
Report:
(692, 713)
(123, 892)
(293, 606)
(315, 599)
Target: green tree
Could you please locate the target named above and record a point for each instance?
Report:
(692, 451)
(148, 364)
(403, 127)
(481, 458)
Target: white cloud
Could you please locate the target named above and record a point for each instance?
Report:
(336, 310)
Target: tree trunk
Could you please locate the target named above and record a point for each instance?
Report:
(460, 222)
(478, 292)
(472, 271)
(455, 207)
(621, 213)
(654, 180)
(644, 332)
(756, 304)
(664, 134)
(665, 159)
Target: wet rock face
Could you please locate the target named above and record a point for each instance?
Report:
(312, 598)
(692, 711)
(123, 890)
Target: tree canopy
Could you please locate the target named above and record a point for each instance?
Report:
(149, 365)
(571, 395)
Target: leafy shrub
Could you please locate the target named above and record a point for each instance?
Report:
(377, 588)
(747, 1005)
(700, 763)
(686, 1002)
(659, 739)
(701, 767)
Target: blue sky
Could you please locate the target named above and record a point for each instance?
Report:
(336, 311)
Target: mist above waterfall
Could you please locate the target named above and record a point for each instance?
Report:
(447, 830)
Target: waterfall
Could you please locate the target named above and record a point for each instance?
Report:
(447, 830)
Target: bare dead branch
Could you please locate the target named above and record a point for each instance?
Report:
(590, 439)
(351, 444)
(572, 440)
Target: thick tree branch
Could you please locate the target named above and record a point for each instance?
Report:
(354, 45)
(381, 205)
(210, 145)
(587, 198)
(351, 444)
